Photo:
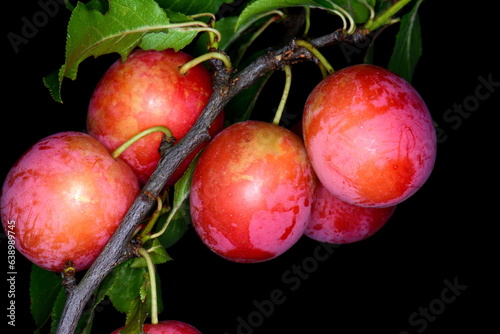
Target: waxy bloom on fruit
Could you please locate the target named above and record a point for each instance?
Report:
(64, 198)
(369, 135)
(337, 222)
(252, 191)
(148, 90)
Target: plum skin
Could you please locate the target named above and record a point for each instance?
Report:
(166, 327)
(337, 222)
(147, 90)
(369, 136)
(252, 192)
(67, 196)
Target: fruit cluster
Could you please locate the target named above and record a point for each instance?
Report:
(365, 144)
(368, 144)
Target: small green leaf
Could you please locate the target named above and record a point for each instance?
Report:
(408, 46)
(44, 288)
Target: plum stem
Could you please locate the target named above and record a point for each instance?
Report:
(152, 221)
(284, 97)
(204, 57)
(210, 15)
(152, 278)
(311, 48)
(160, 128)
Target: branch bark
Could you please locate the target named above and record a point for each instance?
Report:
(226, 86)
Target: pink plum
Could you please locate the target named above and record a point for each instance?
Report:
(337, 222)
(64, 198)
(252, 192)
(369, 135)
(144, 91)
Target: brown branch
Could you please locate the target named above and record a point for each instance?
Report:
(226, 86)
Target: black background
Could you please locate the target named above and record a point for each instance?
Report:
(446, 232)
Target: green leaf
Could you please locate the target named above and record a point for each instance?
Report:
(44, 288)
(408, 46)
(91, 33)
(136, 315)
(176, 40)
(129, 292)
(126, 286)
(126, 25)
(190, 7)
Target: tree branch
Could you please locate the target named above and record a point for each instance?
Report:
(226, 86)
